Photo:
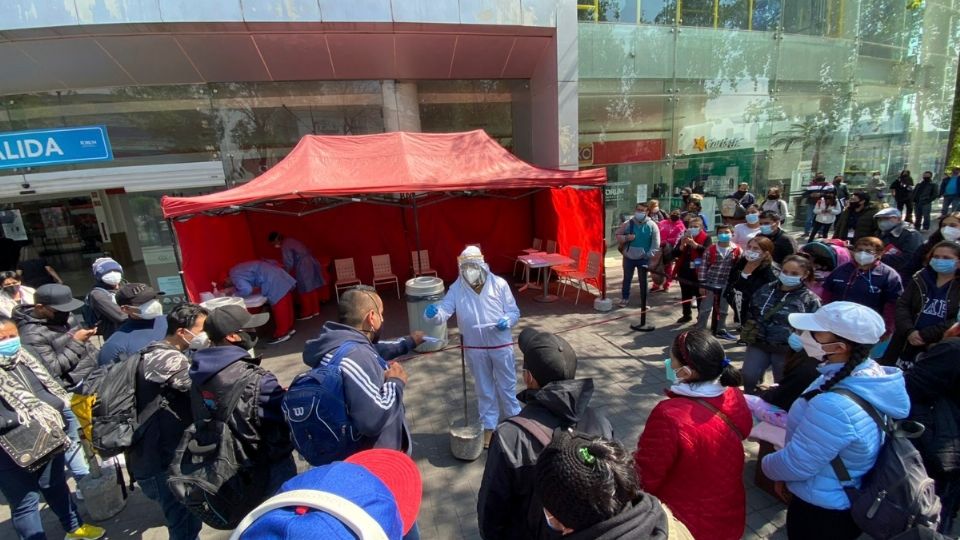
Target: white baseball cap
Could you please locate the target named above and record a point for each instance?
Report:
(848, 320)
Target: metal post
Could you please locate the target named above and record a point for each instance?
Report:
(176, 256)
(463, 373)
(603, 243)
(416, 232)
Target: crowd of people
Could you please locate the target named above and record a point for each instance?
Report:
(872, 312)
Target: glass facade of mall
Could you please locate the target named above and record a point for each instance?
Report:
(680, 93)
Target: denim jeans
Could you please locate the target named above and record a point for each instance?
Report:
(22, 490)
(629, 265)
(951, 203)
(76, 460)
(182, 524)
(808, 223)
(755, 364)
(280, 472)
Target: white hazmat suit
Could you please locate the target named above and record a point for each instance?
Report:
(493, 369)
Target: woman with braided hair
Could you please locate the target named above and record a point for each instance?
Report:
(690, 454)
(823, 425)
(590, 491)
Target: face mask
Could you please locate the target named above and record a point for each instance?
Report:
(472, 275)
(11, 290)
(790, 281)
(112, 278)
(753, 218)
(812, 347)
(60, 318)
(886, 225)
(766, 229)
(821, 275)
(671, 374)
(864, 257)
(943, 266)
(247, 342)
(795, 342)
(950, 233)
(694, 231)
(752, 255)
(723, 237)
(674, 218)
(640, 216)
(10, 347)
(199, 341)
(773, 197)
(151, 310)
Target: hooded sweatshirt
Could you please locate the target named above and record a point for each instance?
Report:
(507, 506)
(211, 361)
(375, 404)
(102, 300)
(831, 425)
(643, 519)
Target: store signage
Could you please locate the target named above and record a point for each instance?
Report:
(58, 146)
(727, 143)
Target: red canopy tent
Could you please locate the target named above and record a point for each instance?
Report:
(357, 196)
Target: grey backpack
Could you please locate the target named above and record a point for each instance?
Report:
(896, 495)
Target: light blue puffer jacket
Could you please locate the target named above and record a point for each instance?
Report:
(831, 424)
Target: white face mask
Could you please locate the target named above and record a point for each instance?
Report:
(752, 255)
(950, 233)
(199, 341)
(112, 278)
(864, 257)
(151, 310)
(814, 348)
(472, 275)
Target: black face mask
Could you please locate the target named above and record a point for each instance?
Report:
(11, 290)
(247, 341)
(60, 318)
(674, 218)
(773, 197)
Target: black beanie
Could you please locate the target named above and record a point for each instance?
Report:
(566, 481)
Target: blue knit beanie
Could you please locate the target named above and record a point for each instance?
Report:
(105, 265)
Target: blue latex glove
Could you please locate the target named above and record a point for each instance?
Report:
(794, 342)
(431, 311)
(503, 323)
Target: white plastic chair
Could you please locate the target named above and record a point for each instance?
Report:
(346, 275)
(421, 264)
(565, 270)
(383, 272)
(591, 274)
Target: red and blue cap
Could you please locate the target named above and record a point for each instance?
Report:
(374, 494)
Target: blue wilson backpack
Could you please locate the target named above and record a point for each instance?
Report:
(316, 411)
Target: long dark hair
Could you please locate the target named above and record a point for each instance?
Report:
(859, 353)
(703, 352)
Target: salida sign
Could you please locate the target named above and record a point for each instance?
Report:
(58, 146)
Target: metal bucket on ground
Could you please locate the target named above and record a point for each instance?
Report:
(104, 493)
(466, 441)
(421, 292)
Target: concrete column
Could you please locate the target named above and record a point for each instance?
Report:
(553, 89)
(401, 108)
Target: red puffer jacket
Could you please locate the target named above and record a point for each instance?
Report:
(692, 460)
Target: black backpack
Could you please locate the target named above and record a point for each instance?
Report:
(896, 495)
(116, 425)
(212, 474)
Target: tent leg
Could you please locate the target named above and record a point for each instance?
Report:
(176, 257)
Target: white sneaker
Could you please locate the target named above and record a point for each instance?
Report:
(624, 302)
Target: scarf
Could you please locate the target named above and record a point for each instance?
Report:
(705, 389)
(21, 400)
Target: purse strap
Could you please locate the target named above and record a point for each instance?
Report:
(726, 419)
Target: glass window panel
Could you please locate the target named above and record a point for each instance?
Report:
(734, 14)
(697, 13)
(766, 15)
(658, 11)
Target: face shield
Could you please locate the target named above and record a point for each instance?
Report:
(472, 273)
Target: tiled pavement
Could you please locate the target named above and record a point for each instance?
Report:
(626, 366)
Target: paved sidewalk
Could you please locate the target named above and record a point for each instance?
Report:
(627, 368)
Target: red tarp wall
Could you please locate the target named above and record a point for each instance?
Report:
(211, 245)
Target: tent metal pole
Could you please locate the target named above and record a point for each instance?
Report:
(603, 241)
(176, 257)
(416, 230)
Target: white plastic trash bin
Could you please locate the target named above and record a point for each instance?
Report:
(421, 292)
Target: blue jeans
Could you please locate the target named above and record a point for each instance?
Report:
(808, 224)
(22, 490)
(951, 203)
(923, 216)
(280, 472)
(74, 455)
(629, 265)
(182, 524)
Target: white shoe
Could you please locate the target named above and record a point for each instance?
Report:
(624, 303)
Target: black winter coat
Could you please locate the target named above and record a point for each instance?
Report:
(747, 286)
(508, 507)
(926, 192)
(936, 377)
(908, 310)
(68, 360)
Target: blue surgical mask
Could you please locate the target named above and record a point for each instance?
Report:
(795, 342)
(10, 346)
(753, 218)
(943, 266)
(640, 216)
(723, 237)
(766, 229)
(886, 225)
(790, 281)
(694, 231)
(671, 374)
